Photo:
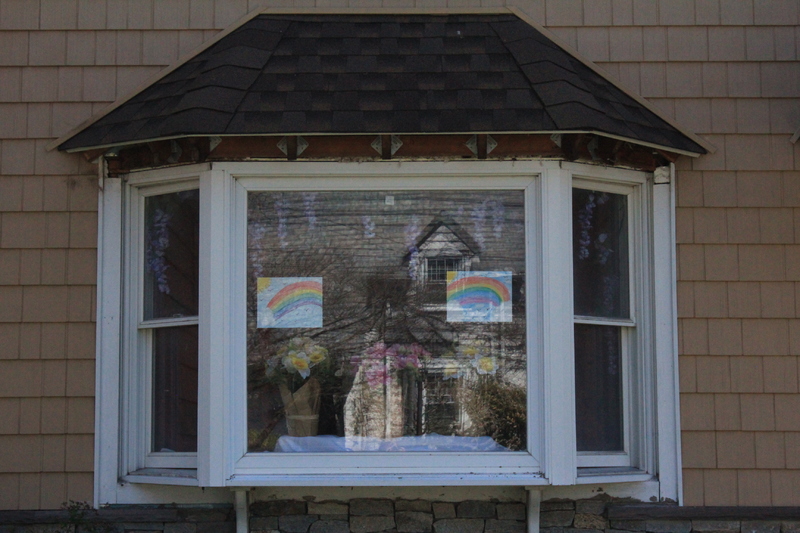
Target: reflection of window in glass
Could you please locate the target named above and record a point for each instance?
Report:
(603, 317)
(437, 268)
(386, 370)
(170, 297)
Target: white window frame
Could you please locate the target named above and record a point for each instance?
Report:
(634, 337)
(249, 468)
(138, 337)
(221, 461)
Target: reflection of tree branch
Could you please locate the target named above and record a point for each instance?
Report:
(369, 297)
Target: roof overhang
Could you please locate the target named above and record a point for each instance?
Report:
(357, 72)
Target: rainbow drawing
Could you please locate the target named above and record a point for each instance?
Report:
(479, 296)
(289, 302)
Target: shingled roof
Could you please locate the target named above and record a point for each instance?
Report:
(348, 74)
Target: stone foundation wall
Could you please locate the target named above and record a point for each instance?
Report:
(604, 515)
(377, 515)
(374, 515)
(123, 519)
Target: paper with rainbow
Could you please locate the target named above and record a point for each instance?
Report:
(479, 296)
(289, 302)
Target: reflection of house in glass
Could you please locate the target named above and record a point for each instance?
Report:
(389, 363)
(443, 246)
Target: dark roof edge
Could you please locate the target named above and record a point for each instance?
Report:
(329, 134)
(235, 25)
(600, 72)
(150, 81)
(384, 11)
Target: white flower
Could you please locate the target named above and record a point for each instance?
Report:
(485, 364)
(297, 362)
(317, 354)
(452, 370)
(471, 350)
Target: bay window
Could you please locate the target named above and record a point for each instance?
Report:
(416, 323)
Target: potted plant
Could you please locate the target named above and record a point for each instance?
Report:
(296, 369)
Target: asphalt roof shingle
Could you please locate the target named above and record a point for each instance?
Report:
(327, 74)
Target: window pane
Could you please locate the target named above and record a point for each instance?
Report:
(600, 253)
(175, 389)
(386, 321)
(598, 387)
(171, 251)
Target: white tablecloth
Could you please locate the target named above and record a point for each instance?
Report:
(424, 443)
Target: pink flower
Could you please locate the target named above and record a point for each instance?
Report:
(377, 374)
(408, 356)
(419, 351)
(379, 350)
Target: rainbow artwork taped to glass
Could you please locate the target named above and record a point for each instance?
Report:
(479, 296)
(289, 302)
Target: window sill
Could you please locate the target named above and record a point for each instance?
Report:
(188, 477)
(387, 480)
(164, 476)
(612, 474)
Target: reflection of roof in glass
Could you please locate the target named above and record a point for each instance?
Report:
(443, 236)
(343, 74)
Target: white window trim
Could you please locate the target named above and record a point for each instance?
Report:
(219, 457)
(634, 337)
(285, 467)
(137, 337)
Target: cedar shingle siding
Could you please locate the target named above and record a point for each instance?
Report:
(727, 70)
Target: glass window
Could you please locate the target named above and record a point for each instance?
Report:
(598, 387)
(170, 304)
(171, 255)
(600, 253)
(601, 293)
(175, 389)
(386, 321)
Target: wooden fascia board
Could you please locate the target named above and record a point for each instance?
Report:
(193, 150)
(419, 134)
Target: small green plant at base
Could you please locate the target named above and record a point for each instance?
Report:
(81, 518)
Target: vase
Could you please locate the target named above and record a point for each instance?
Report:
(302, 408)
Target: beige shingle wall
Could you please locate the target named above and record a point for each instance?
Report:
(725, 68)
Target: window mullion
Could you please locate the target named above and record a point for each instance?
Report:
(665, 341)
(559, 347)
(214, 308)
(109, 328)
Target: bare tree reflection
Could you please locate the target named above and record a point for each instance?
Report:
(396, 366)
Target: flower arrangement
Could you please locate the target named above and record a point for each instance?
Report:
(300, 356)
(298, 368)
(452, 369)
(485, 365)
(475, 354)
(478, 354)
